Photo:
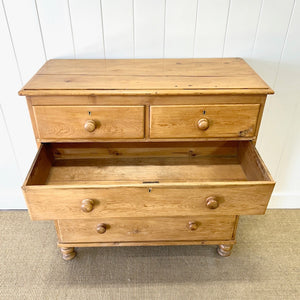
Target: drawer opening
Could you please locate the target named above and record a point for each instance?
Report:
(146, 163)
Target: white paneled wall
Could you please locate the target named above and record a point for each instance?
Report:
(118, 21)
(264, 32)
(149, 24)
(87, 27)
(211, 27)
(180, 24)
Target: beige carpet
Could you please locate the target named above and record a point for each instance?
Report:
(264, 264)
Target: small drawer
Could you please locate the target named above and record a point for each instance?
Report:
(203, 121)
(147, 229)
(89, 122)
(106, 180)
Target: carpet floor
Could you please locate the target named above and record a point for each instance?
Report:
(265, 264)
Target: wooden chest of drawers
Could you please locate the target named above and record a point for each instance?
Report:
(146, 152)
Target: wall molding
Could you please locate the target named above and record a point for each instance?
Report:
(284, 200)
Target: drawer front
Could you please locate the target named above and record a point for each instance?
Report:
(89, 122)
(147, 229)
(48, 203)
(203, 121)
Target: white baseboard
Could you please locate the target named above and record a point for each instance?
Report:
(12, 199)
(284, 200)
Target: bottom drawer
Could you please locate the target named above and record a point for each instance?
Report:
(147, 229)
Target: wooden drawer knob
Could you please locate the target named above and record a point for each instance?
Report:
(203, 124)
(87, 205)
(101, 228)
(90, 125)
(212, 202)
(193, 225)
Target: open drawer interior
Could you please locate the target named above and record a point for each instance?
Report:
(138, 163)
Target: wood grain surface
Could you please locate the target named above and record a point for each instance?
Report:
(154, 67)
(62, 122)
(78, 100)
(142, 243)
(121, 162)
(147, 186)
(64, 202)
(147, 229)
(181, 121)
(229, 75)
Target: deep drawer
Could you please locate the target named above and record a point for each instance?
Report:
(147, 229)
(89, 122)
(92, 180)
(203, 121)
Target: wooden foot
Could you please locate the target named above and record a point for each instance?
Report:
(68, 253)
(224, 250)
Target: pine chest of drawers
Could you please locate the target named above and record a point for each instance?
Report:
(146, 152)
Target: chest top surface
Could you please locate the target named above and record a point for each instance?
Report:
(145, 77)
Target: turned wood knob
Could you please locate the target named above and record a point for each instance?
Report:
(101, 228)
(192, 225)
(90, 125)
(212, 202)
(87, 205)
(203, 124)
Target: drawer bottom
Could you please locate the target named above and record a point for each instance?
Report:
(151, 231)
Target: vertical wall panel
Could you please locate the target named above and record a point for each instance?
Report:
(288, 171)
(9, 75)
(180, 28)
(272, 28)
(149, 28)
(289, 70)
(14, 107)
(87, 28)
(241, 28)
(24, 26)
(118, 28)
(20, 130)
(211, 28)
(56, 28)
(288, 110)
(10, 183)
(271, 37)
(10, 176)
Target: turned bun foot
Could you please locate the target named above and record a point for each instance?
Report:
(224, 250)
(68, 253)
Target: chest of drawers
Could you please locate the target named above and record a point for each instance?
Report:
(146, 152)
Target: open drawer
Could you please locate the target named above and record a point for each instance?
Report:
(83, 180)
